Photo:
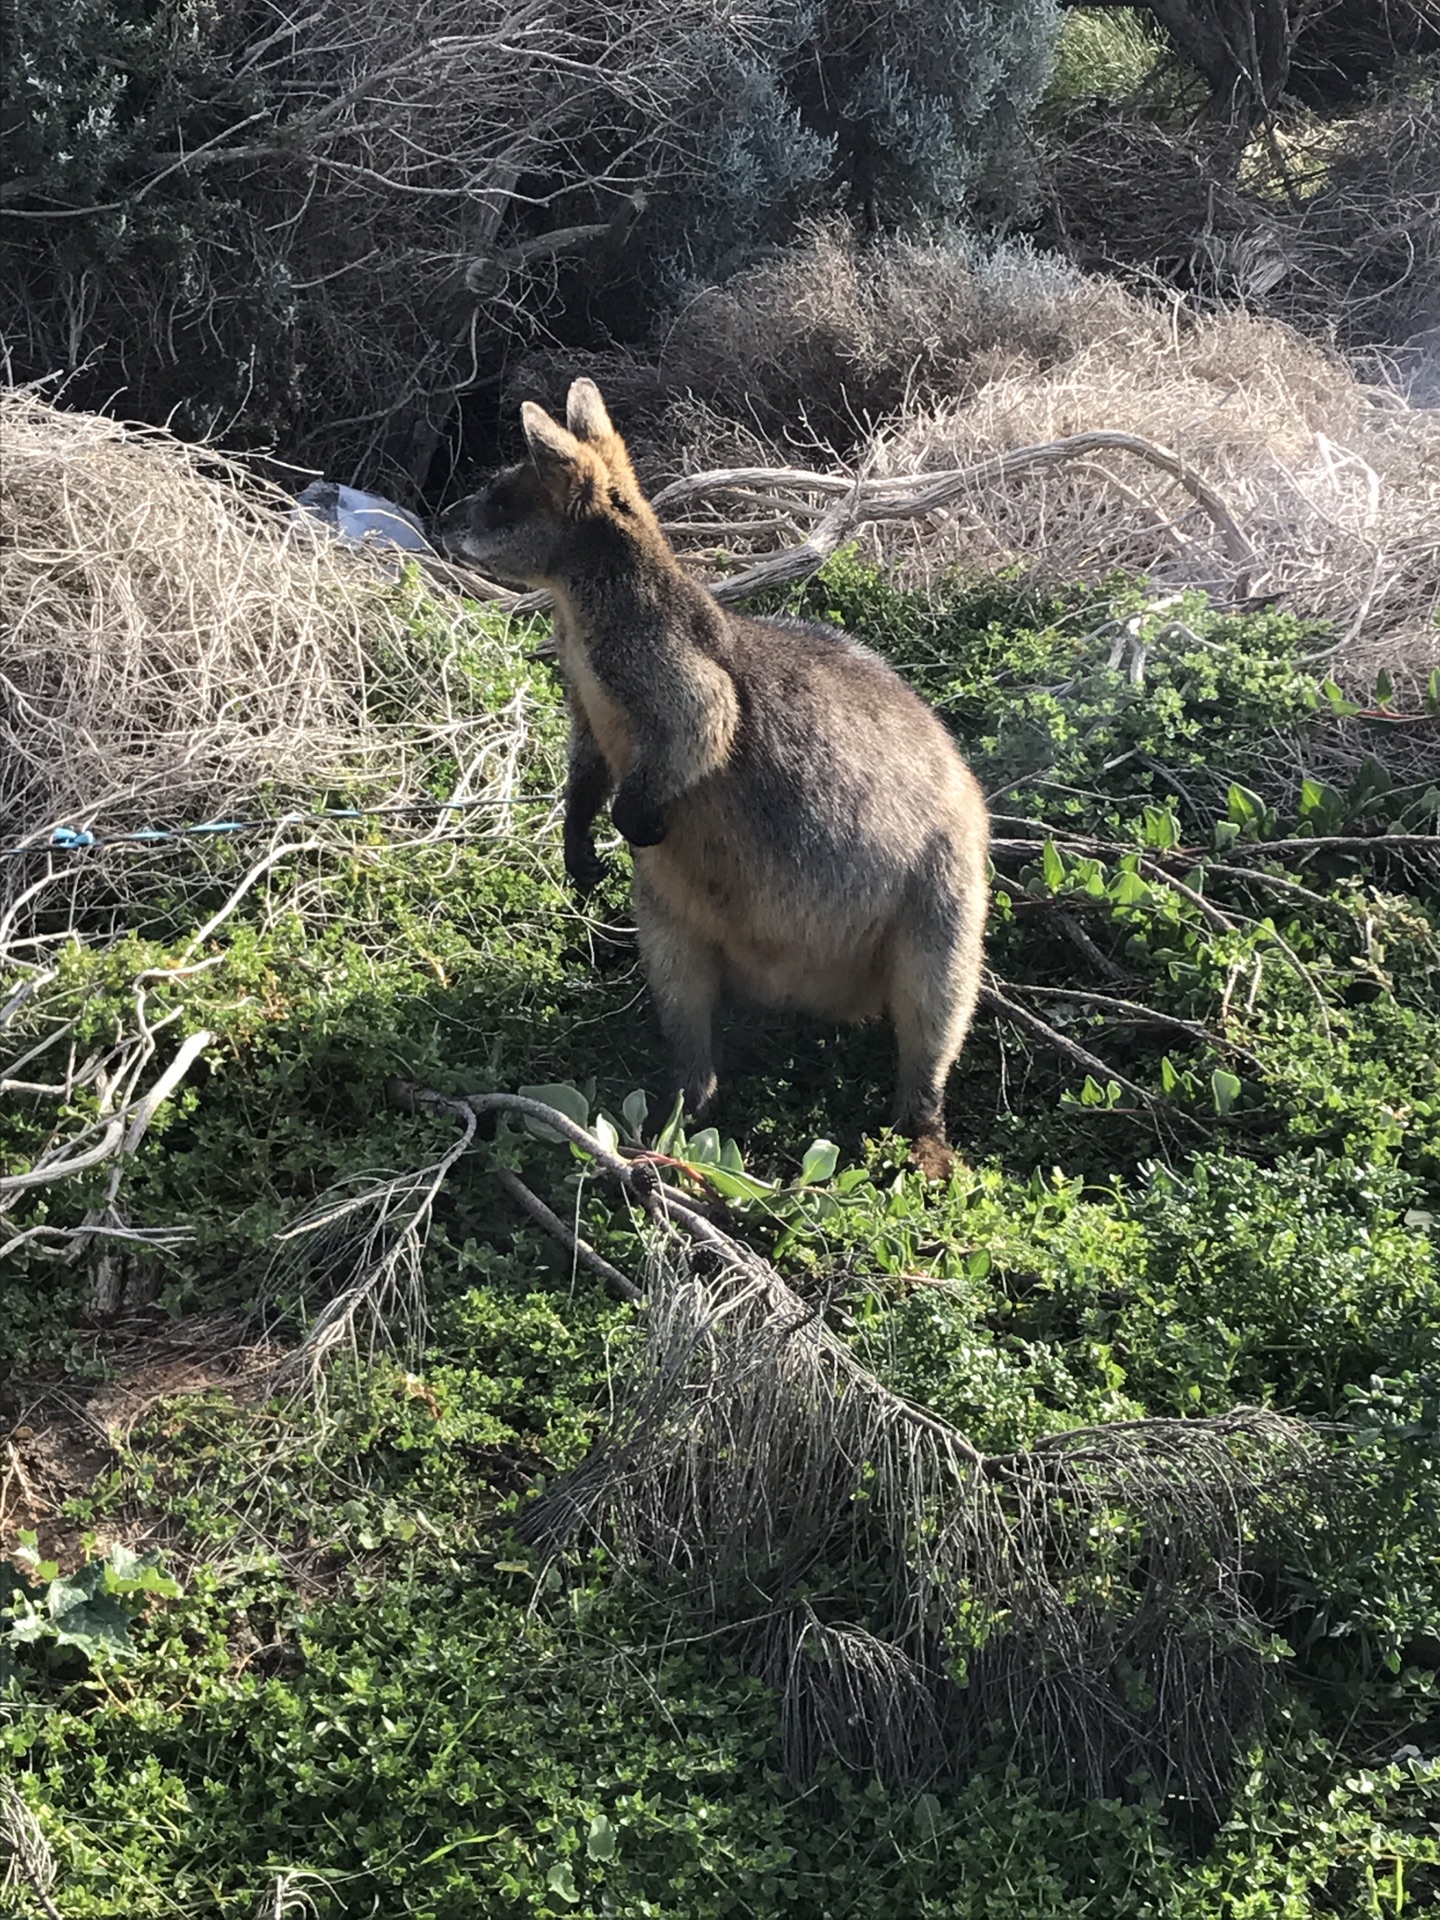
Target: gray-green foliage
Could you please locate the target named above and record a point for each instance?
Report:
(315, 236)
(892, 113)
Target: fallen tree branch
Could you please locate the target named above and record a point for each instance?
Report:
(31, 1859)
(872, 501)
(862, 501)
(620, 1284)
(1192, 1029)
(751, 1444)
(123, 1131)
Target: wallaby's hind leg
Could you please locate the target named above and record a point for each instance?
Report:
(935, 982)
(684, 974)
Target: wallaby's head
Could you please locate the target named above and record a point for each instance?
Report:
(528, 526)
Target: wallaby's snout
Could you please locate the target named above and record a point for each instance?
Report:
(503, 528)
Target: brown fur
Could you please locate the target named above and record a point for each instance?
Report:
(805, 832)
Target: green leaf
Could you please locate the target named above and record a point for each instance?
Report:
(123, 1571)
(83, 1616)
(1384, 689)
(705, 1147)
(671, 1135)
(1169, 1078)
(633, 1111)
(1129, 890)
(1160, 828)
(565, 1099)
(606, 1132)
(1053, 866)
(561, 1881)
(821, 1158)
(1225, 1087)
(1243, 807)
(737, 1186)
(600, 1842)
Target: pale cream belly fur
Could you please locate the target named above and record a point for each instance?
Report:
(804, 960)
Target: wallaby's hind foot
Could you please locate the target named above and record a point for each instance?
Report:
(931, 1155)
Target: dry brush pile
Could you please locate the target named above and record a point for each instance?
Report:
(912, 375)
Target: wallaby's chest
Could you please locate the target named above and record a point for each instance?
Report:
(606, 718)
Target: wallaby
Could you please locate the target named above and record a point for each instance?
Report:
(805, 832)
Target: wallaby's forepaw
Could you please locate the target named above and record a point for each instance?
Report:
(584, 865)
(638, 819)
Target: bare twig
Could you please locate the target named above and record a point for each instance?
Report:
(1081, 1056)
(620, 1284)
(31, 1859)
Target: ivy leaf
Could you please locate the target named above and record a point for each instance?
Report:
(561, 1881)
(600, 1842)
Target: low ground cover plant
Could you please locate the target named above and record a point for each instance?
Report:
(1201, 1124)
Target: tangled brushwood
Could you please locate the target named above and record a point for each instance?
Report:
(1091, 1602)
(1096, 1602)
(170, 635)
(906, 361)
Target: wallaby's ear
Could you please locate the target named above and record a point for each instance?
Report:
(585, 413)
(587, 418)
(551, 447)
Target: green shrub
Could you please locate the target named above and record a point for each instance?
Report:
(365, 1679)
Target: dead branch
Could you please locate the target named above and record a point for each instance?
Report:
(121, 1132)
(863, 502)
(1081, 1056)
(1146, 1016)
(31, 1859)
(620, 1284)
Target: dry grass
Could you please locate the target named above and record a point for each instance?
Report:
(1331, 225)
(1337, 492)
(170, 639)
(819, 346)
(917, 359)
